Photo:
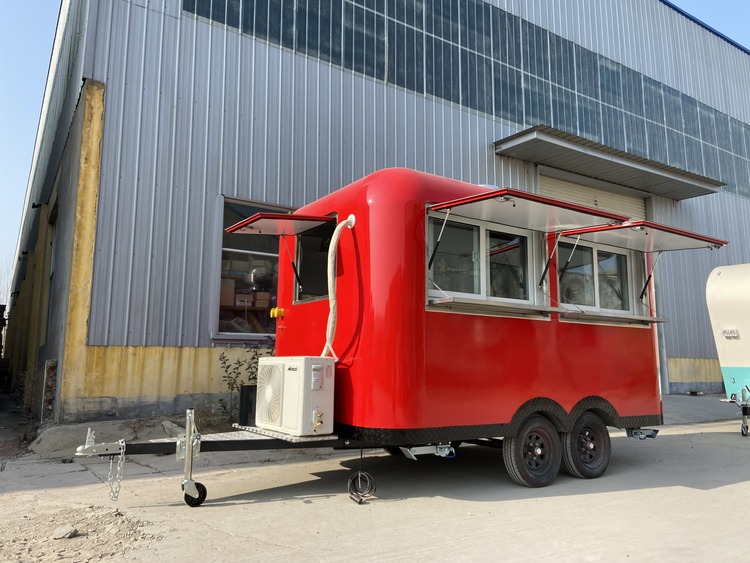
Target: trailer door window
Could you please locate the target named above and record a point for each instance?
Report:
(312, 262)
(593, 277)
(455, 266)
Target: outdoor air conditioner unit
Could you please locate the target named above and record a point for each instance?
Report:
(295, 395)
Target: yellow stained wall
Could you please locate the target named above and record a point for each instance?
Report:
(695, 374)
(121, 380)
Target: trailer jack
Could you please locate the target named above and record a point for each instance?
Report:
(744, 404)
(641, 433)
(441, 450)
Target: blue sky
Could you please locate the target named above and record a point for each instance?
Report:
(27, 31)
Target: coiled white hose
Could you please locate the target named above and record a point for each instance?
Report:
(331, 270)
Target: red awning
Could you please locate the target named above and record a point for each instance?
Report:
(645, 236)
(527, 211)
(278, 224)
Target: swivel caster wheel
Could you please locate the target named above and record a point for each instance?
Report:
(194, 502)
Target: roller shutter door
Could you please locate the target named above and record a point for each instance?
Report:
(632, 207)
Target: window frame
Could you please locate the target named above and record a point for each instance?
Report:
(296, 299)
(215, 334)
(635, 270)
(534, 252)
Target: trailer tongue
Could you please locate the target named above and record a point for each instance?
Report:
(448, 313)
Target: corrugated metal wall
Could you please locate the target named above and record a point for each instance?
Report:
(681, 276)
(195, 111)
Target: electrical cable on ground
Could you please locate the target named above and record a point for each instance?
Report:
(361, 484)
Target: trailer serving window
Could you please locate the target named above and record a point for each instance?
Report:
(478, 260)
(589, 276)
(511, 228)
(613, 269)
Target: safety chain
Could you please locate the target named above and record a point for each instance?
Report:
(115, 481)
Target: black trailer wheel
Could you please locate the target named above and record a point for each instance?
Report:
(587, 448)
(195, 502)
(532, 456)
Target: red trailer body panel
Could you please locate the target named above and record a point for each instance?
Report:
(405, 366)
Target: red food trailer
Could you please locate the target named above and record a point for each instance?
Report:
(454, 313)
(416, 313)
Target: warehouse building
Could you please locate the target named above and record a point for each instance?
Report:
(164, 121)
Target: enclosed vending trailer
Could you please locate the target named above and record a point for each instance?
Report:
(416, 313)
(449, 312)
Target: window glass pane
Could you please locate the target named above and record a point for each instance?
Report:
(287, 24)
(690, 118)
(575, 272)
(635, 135)
(508, 93)
(261, 19)
(233, 13)
(589, 119)
(723, 132)
(537, 103)
(738, 141)
(203, 8)
(535, 50)
(673, 109)
(656, 136)
(248, 17)
(613, 280)
(564, 111)
(249, 265)
(613, 133)
(218, 10)
(610, 82)
(561, 62)
(506, 254)
(274, 21)
(455, 266)
(587, 72)
(653, 100)
(632, 90)
(312, 261)
(313, 28)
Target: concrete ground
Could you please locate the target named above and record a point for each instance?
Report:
(681, 497)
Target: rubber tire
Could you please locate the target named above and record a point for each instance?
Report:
(526, 467)
(196, 502)
(393, 450)
(587, 448)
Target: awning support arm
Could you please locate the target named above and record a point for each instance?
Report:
(650, 275)
(294, 266)
(549, 260)
(567, 262)
(437, 242)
